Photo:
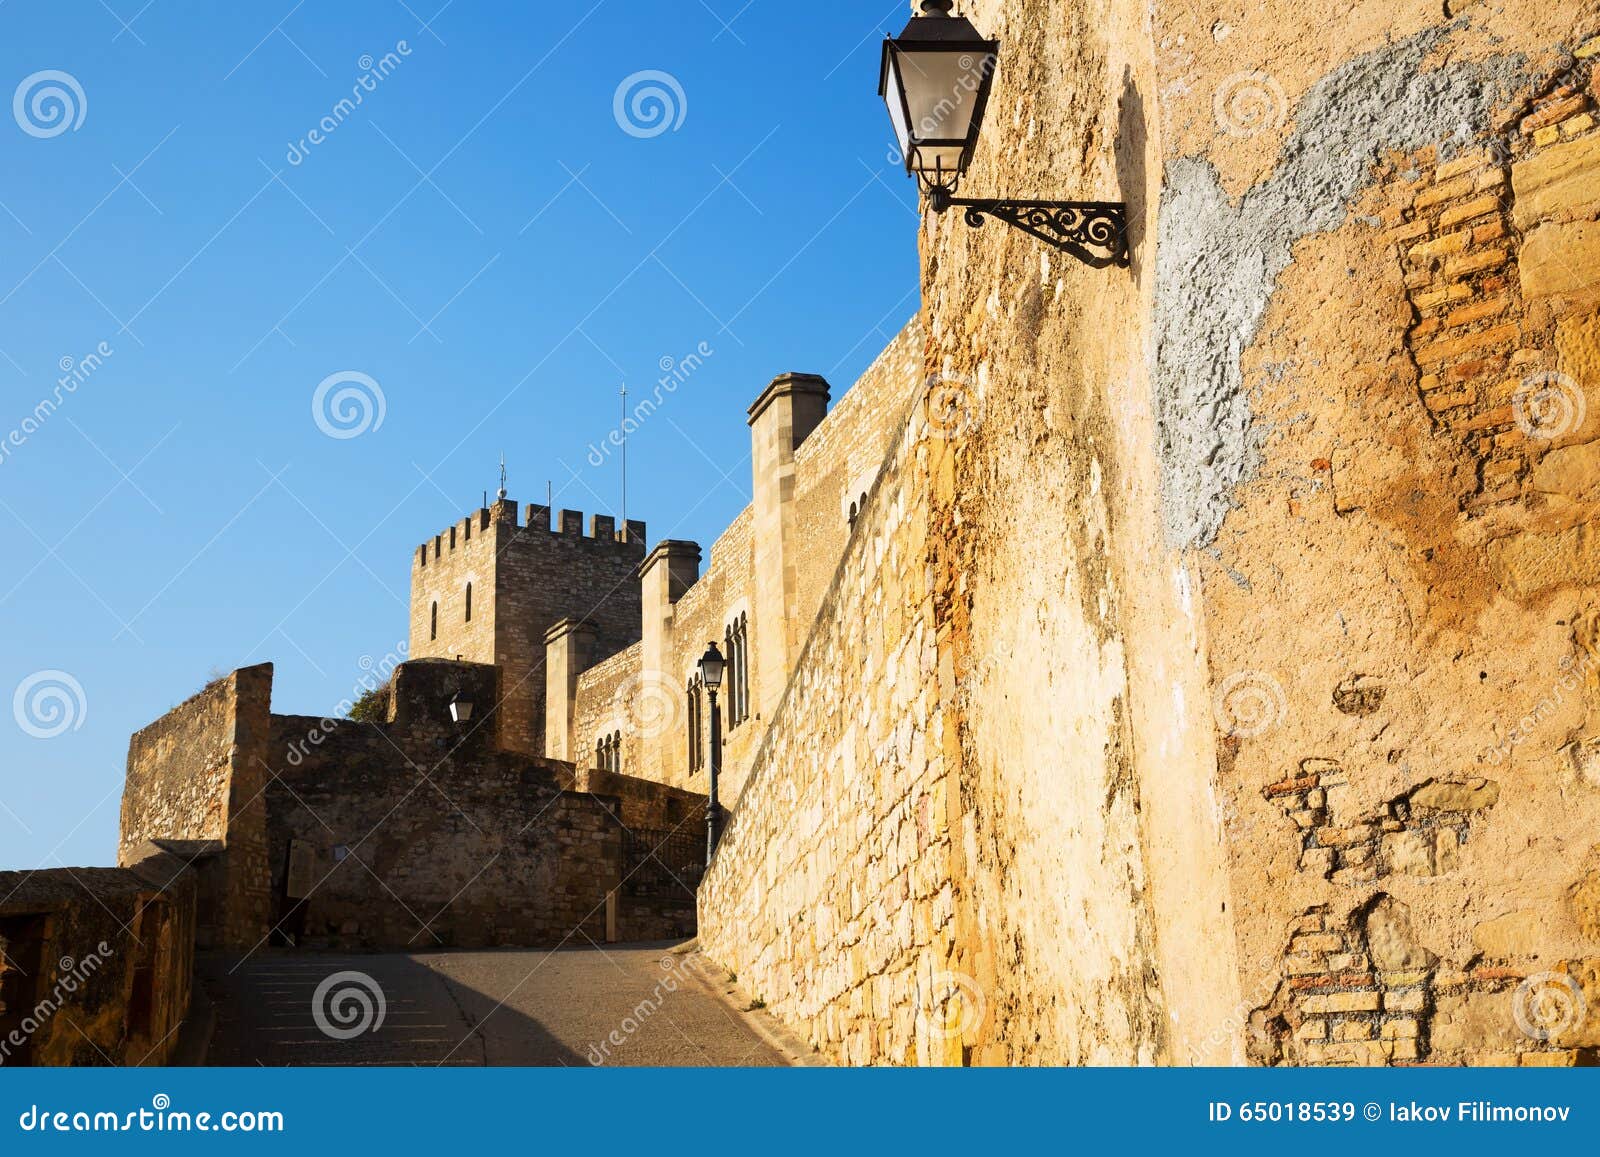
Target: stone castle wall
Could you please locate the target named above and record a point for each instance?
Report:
(1262, 694)
(703, 613)
(837, 463)
(833, 467)
(97, 964)
(603, 699)
(831, 892)
(199, 774)
(413, 832)
(526, 574)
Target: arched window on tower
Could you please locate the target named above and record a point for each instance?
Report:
(469, 602)
(433, 622)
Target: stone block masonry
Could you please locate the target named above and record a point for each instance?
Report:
(96, 964)
(1049, 784)
(831, 895)
(523, 579)
(200, 773)
(418, 831)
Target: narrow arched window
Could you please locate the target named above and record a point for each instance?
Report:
(730, 648)
(696, 748)
(433, 622)
(469, 602)
(743, 687)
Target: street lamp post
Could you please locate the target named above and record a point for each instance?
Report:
(935, 79)
(711, 668)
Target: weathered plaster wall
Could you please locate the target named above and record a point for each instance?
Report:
(1092, 899)
(1284, 536)
(1396, 579)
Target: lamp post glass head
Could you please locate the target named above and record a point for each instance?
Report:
(460, 708)
(711, 667)
(935, 79)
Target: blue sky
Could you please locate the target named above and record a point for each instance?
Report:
(484, 238)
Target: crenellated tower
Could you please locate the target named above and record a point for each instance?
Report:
(489, 587)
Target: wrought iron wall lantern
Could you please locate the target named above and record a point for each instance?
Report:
(935, 80)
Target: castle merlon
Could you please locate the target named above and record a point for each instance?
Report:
(568, 524)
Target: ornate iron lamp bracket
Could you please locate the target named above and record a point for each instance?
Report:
(1095, 232)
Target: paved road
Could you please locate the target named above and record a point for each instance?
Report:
(625, 1005)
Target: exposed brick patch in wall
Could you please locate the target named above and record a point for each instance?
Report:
(1359, 989)
(1420, 833)
(1455, 226)
(1338, 1005)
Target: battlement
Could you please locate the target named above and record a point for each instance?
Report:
(569, 523)
(504, 513)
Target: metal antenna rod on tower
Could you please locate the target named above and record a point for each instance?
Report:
(624, 461)
(502, 474)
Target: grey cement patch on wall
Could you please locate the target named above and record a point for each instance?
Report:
(1218, 259)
